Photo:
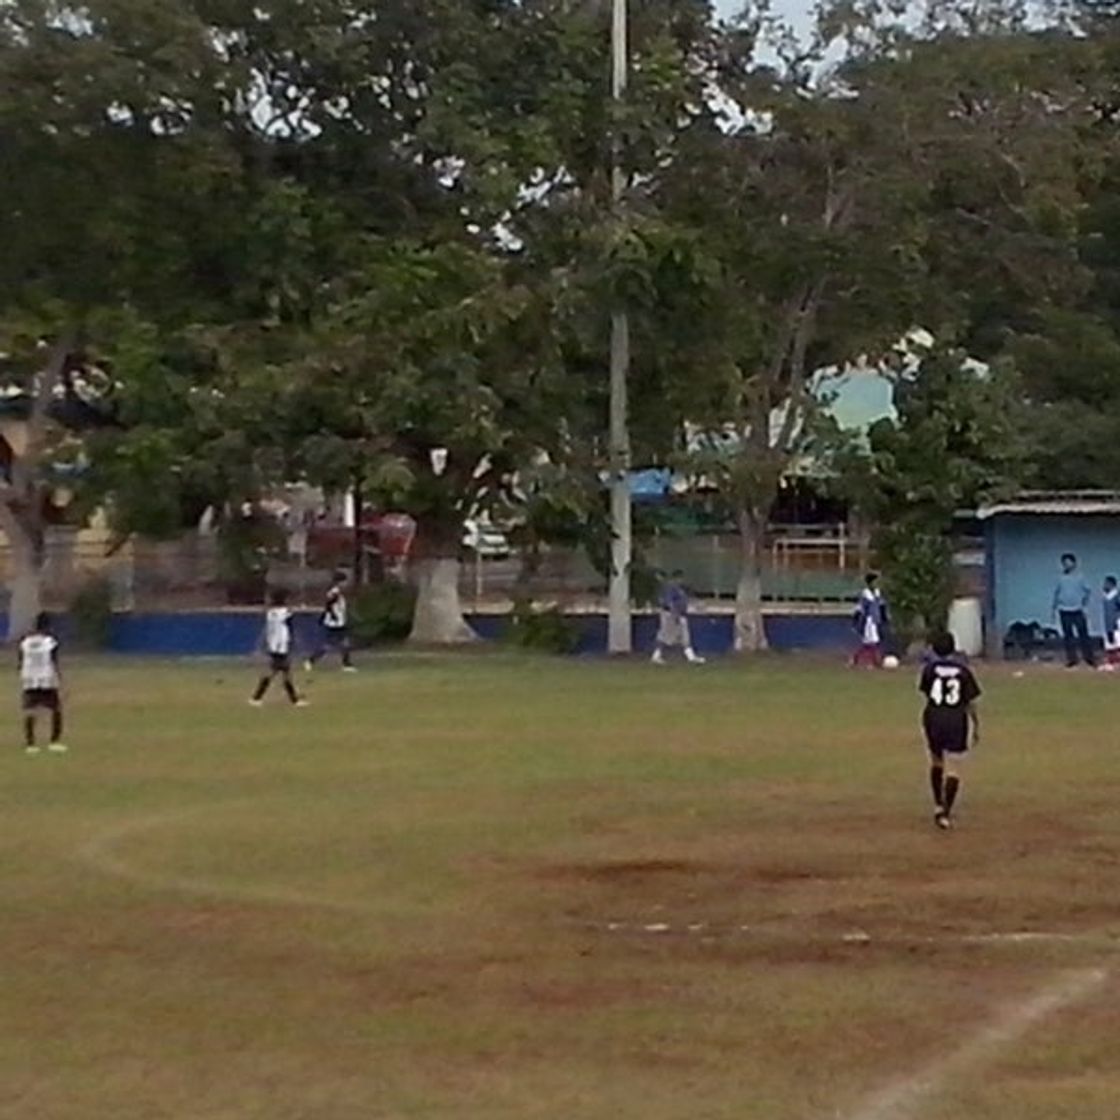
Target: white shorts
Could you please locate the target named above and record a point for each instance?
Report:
(1112, 641)
(871, 635)
(673, 630)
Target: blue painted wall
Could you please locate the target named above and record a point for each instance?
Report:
(1024, 551)
(712, 635)
(235, 633)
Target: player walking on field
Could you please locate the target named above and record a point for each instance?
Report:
(951, 723)
(673, 630)
(334, 625)
(278, 647)
(41, 681)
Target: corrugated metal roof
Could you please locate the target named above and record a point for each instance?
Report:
(1081, 503)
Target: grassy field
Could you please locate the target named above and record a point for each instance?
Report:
(485, 889)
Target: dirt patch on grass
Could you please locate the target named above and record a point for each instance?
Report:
(777, 874)
(629, 870)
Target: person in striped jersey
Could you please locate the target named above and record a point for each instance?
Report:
(41, 683)
(278, 647)
(334, 627)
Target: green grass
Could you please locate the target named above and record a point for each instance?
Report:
(396, 903)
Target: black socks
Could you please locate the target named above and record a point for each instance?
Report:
(936, 784)
(952, 787)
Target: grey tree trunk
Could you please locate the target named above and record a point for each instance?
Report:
(438, 619)
(22, 497)
(750, 632)
(26, 583)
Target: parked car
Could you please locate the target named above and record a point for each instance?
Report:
(485, 540)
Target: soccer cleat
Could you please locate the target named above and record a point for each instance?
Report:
(658, 658)
(349, 669)
(693, 658)
(255, 703)
(303, 704)
(308, 666)
(58, 748)
(30, 750)
(943, 821)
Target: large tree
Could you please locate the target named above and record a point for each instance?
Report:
(911, 186)
(108, 203)
(956, 443)
(212, 197)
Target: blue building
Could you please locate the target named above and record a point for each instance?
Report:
(1024, 540)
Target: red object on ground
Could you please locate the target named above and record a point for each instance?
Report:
(868, 656)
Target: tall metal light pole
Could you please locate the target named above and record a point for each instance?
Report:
(619, 626)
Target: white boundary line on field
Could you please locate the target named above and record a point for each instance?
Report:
(855, 937)
(99, 854)
(903, 1098)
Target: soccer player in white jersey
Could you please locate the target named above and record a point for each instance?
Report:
(278, 646)
(41, 682)
(334, 625)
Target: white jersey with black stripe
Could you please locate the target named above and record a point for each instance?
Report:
(278, 631)
(334, 613)
(38, 667)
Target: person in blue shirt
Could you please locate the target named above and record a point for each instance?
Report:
(1110, 604)
(1071, 598)
(673, 628)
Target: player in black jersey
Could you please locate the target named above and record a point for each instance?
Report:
(950, 721)
(334, 627)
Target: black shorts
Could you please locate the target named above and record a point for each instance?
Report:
(41, 699)
(280, 662)
(946, 734)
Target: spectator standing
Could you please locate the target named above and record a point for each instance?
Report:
(1110, 602)
(1071, 599)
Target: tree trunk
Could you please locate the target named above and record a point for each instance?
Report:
(438, 619)
(750, 632)
(22, 497)
(528, 571)
(26, 584)
(359, 577)
(439, 613)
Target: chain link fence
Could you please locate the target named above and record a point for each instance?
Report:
(816, 565)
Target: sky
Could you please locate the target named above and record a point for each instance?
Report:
(860, 399)
(793, 9)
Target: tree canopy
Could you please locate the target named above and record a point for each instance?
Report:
(376, 249)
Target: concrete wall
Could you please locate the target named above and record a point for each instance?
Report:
(1024, 551)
